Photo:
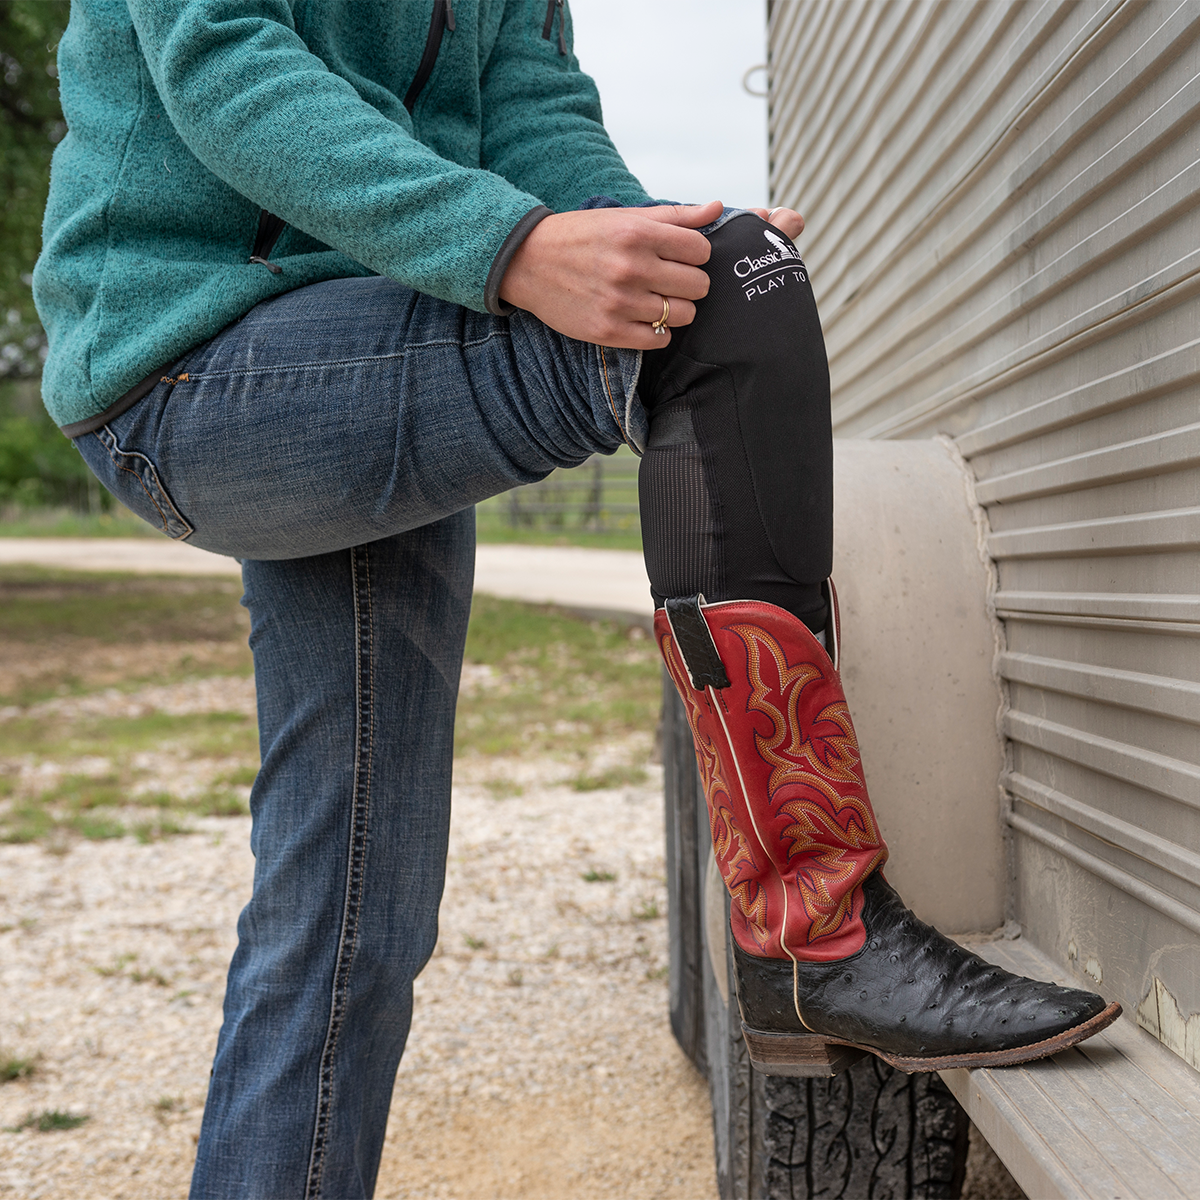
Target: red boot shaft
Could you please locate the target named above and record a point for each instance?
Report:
(793, 829)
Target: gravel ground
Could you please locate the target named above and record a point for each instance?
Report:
(540, 1063)
(562, 1079)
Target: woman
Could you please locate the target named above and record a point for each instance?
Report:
(318, 277)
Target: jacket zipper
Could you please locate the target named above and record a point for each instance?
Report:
(553, 6)
(442, 19)
(269, 228)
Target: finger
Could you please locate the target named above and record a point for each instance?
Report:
(671, 243)
(788, 220)
(679, 312)
(683, 312)
(637, 335)
(678, 279)
(689, 216)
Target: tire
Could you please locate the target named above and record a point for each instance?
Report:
(870, 1132)
(687, 836)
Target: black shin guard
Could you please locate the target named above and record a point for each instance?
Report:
(736, 484)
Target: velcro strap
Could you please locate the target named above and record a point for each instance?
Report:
(695, 642)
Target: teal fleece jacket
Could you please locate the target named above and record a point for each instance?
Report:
(188, 118)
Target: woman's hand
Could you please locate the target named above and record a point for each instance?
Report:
(786, 219)
(601, 275)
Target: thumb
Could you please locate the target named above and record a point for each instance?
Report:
(687, 216)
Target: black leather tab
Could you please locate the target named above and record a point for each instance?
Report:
(696, 644)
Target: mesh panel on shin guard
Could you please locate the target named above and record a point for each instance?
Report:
(679, 531)
(737, 482)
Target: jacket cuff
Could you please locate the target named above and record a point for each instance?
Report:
(520, 231)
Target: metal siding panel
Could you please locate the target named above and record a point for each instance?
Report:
(1002, 233)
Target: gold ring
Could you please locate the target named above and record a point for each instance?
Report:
(660, 326)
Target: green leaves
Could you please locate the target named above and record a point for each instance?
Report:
(39, 466)
(31, 123)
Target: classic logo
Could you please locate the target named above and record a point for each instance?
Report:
(782, 252)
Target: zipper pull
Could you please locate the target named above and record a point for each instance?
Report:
(562, 26)
(274, 268)
(450, 15)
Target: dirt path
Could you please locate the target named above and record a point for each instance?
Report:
(572, 576)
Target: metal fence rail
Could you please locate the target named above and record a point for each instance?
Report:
(598, 497)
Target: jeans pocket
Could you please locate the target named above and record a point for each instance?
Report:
(134, 480)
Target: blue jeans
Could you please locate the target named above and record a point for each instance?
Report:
(335, 440)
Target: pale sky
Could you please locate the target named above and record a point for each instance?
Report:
(670, 78)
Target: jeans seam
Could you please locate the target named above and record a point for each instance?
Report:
(115, 452)
(197, 376)
(612, 404)
(364, 680)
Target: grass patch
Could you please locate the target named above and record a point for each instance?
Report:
(96, 808)
(70, 632)
(200, 734)
(120, 968)
(82, 792)
(65, 522)
(151, 976)
(503, 789)
(563, 682)
(164, 1106)
(95, 827)
(594, 876)
(40, 604)
(12, 1068)
(239, 777)
(560, 684)
(161, 827)
(612, 777)
(27, 822)
(595, 504)
(50, 1121)
(217, 803)
(491, 528)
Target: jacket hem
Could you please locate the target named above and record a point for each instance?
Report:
(91, 424)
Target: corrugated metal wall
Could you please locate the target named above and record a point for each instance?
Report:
(1004, 238)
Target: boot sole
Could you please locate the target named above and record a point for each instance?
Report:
(813, 1055)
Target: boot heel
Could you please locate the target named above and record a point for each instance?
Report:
(797, 1056)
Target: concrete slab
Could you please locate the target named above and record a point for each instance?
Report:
(608, 581)
(600, 581)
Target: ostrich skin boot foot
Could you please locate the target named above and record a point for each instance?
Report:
(911, 997)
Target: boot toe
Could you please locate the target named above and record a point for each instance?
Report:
(911, 993)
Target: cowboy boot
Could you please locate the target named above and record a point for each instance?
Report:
(829, 964)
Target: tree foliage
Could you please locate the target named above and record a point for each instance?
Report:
(39, 468)
(31, 123)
